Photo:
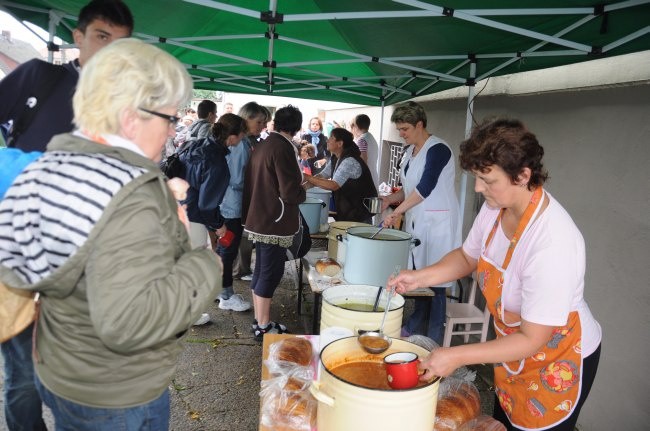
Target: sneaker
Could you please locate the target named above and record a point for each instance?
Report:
(205, 318)
(223, 296)
(248, 277)
(271, 328)
(235, 303)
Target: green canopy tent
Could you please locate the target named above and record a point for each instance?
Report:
(366, 52)
(377, 52)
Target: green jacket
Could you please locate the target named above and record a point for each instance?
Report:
(119, 283)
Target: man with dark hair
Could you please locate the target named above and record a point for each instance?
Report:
(207, 113)
(37, 96)
(366, 143)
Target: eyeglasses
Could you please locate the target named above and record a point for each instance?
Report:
(173, 120)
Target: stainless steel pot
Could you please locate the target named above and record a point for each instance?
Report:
(373, 260)
(373, 205)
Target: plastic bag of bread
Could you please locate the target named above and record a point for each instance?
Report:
(328, 267)
(290, 354)
(483, 423)
(287, 405)
(458, 403)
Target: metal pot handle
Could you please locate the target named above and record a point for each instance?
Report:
(339, 237)
(415, 242)
(315, 390)
(364, 203)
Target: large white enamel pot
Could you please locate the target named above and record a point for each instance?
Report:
(335, 248)
(346, 406)
(333, 313)
(323, 195)
(373, 260)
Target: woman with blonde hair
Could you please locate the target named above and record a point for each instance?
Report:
(315, 136)
(92, 226)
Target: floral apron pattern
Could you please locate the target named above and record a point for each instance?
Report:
(540, 391)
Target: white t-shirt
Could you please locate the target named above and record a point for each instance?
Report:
(545, 279)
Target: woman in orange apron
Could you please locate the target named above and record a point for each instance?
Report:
(529, 258)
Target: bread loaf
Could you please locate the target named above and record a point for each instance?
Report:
(456, 407)
(294, 412)
(295, 349)
(328, 267)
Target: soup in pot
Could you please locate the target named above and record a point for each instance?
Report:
(371, 375)
(354, 306)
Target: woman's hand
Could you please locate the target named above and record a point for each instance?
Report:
(405, 281)
(441, 362)
(392, 219)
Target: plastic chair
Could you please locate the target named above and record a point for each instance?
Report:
(466, 314)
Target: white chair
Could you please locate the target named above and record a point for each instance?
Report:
(466, 314)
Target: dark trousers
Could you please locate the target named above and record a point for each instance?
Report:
(589, 368)
(269, 268)
(228, 254)
(428, 317)
(23, 409)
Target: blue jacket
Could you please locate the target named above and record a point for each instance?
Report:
(206, 170)
(237, 161)
(12, 162)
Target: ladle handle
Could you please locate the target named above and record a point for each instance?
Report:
(383, 319)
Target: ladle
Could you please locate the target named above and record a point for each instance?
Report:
(377, 342)
(376, 305)
(381, 227)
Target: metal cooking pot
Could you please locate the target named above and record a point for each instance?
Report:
(323, 195)
(346, 406)
(373, 260)
(311, 211)
(339, 228)
(333, 313)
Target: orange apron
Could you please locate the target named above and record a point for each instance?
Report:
(540, 391)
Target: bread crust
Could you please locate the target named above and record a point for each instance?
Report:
(328, 267)
(295, 349)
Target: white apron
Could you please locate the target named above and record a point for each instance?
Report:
(436, 220)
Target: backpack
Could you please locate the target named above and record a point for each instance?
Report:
(301, 241)
(173, 166)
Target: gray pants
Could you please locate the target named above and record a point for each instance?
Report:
(242, 265)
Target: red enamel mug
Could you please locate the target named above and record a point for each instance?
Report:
(226, 239)
(402, 370)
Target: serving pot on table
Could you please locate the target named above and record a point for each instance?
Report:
(334, 313)
(336, 248)
(372, 260)
(346, 406)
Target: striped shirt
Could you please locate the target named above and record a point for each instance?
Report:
(53, 205)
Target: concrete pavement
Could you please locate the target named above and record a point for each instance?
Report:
(218, 377)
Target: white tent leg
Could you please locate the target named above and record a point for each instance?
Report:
(380, 143)
(468, 130)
